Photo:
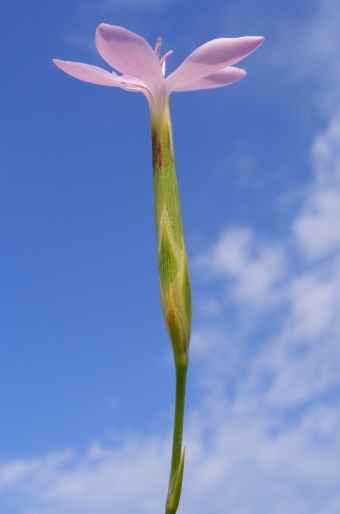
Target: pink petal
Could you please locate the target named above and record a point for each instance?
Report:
(96, 75)
(88, 73)
(221, 78)
(129, 54)
(211, 58)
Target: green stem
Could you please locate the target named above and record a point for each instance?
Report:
(172, 504)
(181, 374)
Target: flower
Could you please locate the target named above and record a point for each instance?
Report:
(208, 66)
(141, 70)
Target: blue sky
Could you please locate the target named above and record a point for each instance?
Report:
(85, 365)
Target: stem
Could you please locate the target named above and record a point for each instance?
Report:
(181, 374)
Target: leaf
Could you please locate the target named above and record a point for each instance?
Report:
(174, 493)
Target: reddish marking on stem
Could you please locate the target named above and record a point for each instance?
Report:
(159, 155)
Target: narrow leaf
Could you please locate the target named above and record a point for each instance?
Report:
(174, 494)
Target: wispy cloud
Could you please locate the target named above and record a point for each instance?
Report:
(253, 268)
(308, 50)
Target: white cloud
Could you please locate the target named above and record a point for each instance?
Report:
(254, 268)
(318, 228)
(97, 482)
(310, 48)
(236, 463)
(326, 151)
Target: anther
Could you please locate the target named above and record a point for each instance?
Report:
(158, 46)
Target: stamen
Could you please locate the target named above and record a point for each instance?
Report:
(163, 59)
(165, 56)
(158, 46)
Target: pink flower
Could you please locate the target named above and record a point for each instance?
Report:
(208, 66)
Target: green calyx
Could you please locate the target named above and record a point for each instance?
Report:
(172, 259)
(175, 289)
